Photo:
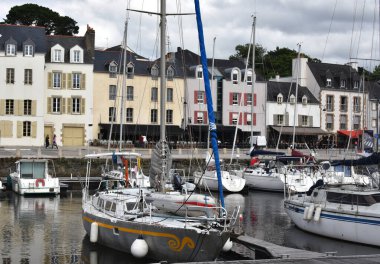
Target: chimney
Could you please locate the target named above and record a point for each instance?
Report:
(89, 39)
(277, 78)
(354, 65)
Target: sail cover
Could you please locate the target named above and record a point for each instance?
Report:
(157, 159)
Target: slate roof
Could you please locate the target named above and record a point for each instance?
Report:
(20, 34)
(335, 72)
(275, 88)
(373, 89)
(68, 42)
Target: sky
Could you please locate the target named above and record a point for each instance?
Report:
(334, 31)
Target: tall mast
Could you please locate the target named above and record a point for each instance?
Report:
(295, 106)
(253, 75)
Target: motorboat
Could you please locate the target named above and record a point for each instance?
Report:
(34, 176)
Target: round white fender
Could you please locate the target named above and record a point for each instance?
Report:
(310, 212)
(317, 213)
(94, 232)
(228, 245)
(305, 213)
(139, 248)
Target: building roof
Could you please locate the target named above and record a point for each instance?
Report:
(275, 88)
(20, 34)
(373, 88)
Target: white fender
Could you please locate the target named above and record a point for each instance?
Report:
(94, 232)
(310, 212)
(228, 245)
(93, 257)
(305, 213)
(317, 213)
(16, 187)
(139, 248)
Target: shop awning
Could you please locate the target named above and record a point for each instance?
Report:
(352, 133)
(288, 130)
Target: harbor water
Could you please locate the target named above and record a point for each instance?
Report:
(50, 230)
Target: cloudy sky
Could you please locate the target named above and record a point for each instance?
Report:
(331, 30)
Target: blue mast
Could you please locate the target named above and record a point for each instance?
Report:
(210, 110)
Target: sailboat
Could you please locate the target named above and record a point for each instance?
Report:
(126, 221)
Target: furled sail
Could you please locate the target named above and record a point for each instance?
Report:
(157, 161)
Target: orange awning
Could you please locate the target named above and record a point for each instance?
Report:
(352, 133)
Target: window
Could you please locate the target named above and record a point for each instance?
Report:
(280, 119)
(200, 117)
(343, 103)
(329, 122)
(154, 72)
(235, 98)
(10, 78)
(111, 114)
(154, 94)
(292, 99)
(28, 76)
(57, 55)
(328, 82)
(129, 115)
(304, 100)
(75, 108)
(76, 80)
(249, 78)
(342, 83)
(329, 103)
(112, 92)
(249, 99)
(11, 50)
(280, 99)
(169, 116)
(304, 120)
(130, 71)
(356, 84)
(249, 119)
(235, 118)
(27, 107)
(356, 104)
(200, 72)
(9, 107)
(373, 106)
(343, 122)
(153, 115)
(235, 76)
(76, 56)
(200, 97)
(26, 128)
(373, 123)
(170, 73)
(28, 50)
(129, 93)
(56, 105)
(356, 122)
(57, 80)
(112, 70)
(169, 95)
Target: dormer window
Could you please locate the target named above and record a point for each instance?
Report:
(356, 84)
(11, 50)
(292, 99)
(76, 54)
(170, 73)
(328, 82)
(130, 70)
(154, 72)
(57, 53)
(249, 78)
(304, 100)
(343, 83)
(199, 72)
(235, 76)
(28, 50)
(112, 70)
(76, 57)
(280, 99)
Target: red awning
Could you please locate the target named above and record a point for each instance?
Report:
(352, 133)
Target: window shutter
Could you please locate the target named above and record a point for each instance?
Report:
(69, 105)
(310, 121)
(83, 106)
(230, 118)
(63, 105)
(231, 99)
(287, 119)
(63, 81)
(245, 99)
(254, 119)
(49, 80)
(299, 120)
(19, 129)
(34, 106)
(195, 97)
(239, 96)
(49, 99)
(275, 120)
(8, 129)
(205, 117)
(83, 81)
(254, 99)
(20, 106)
(195, 117)
(34, 129)
(2, 106)
(69, 81)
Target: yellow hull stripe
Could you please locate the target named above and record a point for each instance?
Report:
(174, 242)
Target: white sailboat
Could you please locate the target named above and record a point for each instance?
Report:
(126, 221)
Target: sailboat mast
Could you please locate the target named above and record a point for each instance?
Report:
(295, 106)
(210, 108)
(253, 75)
(123, 86)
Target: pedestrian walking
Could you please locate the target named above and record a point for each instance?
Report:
(47, 141)
(54, 144)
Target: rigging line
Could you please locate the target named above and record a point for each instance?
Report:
(373, 36)
(361, 27)
(138, 41)
(353, 29)
(328, 34)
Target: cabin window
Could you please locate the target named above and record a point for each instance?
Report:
(354, 199)
(116, 231)
(32, 170)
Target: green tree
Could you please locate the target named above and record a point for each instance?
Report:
(242, 53)
(32, 14)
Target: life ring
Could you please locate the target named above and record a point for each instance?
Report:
(42, 181)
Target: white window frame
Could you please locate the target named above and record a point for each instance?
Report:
(328, 82)
(199, 72)
(10, 76)
(280, 99)
(57, 55)
(304, 120)
(77, 56)
(112, 92)
(356, 104)
(154, 116)
(343, 83)
(234, 119)
(200, 117)
(154, 94)
(249, 99)
(201, 97)
(356, 84)
(75, 105)
(373, 106)
(76, 80)
(329, 125)
(280, 120)
(27, 107)
(56, 105)
(26, 128)
(329, 103)
(304, 100)
(343, 125)
(28, 50)
(57, 80)
(130, 93)
(28, 76)
(235, 98)
(356, 122)
(249, 119)
(11, 50)
(235, 76)
(373, 122)
(129, 115)
(9, 107)
(292, 99)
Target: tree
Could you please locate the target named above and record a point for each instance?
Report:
(32, 14)
(242, 53)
